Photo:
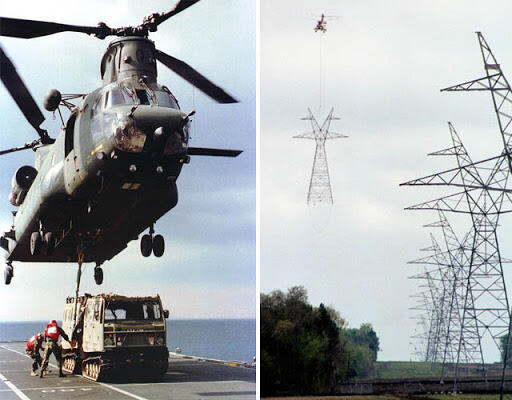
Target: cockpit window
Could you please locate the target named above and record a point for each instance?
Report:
(144, 97)
(118, 96)
(165, 99)
(123, 310)
(139, 96)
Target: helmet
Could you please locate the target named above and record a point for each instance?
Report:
(53, 321)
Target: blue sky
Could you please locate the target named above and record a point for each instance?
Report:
(209, 269)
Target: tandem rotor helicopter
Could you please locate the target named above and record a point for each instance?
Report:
(111, 171)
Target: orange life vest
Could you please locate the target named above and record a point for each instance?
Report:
(32, 341)
(52, 331)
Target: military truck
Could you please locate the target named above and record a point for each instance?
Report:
(115, 336)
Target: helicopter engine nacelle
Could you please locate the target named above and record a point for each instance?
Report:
(21, 182)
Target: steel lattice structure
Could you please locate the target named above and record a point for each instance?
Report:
(319, 184)
(431, 301)
(485, 312)
(446, 282)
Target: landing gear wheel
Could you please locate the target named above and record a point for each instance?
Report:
(98, 275)
(49, 243)
(158, 246)
(146, 245)
(35, 243)
(8, 274)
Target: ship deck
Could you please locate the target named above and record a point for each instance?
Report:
(187, 378)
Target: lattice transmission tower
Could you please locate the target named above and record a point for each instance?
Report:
(430, 303)
(446, 276)
(486, 311)
(319, 183)
(497, 84)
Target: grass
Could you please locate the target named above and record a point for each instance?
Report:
(417, 369)
(406, 369)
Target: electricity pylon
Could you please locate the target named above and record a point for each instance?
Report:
(485, 311)
(497, 84)
(447, 283)
(319, 184)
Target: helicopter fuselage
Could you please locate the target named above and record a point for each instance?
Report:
(112, 170)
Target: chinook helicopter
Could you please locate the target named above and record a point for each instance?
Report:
(111, 172)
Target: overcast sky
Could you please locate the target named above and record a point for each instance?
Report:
(208, 270)
(381, 66)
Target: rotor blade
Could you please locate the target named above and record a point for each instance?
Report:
(182, 5)
(28, 29)
(203, 151)
(195, 78)
(20, 93)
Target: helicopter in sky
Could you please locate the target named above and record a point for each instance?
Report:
(321, 24)
(111, 171)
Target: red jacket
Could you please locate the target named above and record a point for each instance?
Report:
(37, 338)
(52, 331)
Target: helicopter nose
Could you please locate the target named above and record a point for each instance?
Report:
(158, 121)
(158, 130)
(166, 129)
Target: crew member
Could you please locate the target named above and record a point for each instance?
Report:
(34, 345)
(52, 333)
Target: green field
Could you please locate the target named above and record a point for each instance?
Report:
(416, 369)
(405, 369)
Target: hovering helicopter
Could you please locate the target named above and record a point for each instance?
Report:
(321, 24)
(111, 171)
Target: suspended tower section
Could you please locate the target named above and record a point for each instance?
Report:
(319, 183)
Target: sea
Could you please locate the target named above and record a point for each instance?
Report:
(220, 339)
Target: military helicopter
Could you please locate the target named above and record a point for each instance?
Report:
(111, 172)
(321, 24)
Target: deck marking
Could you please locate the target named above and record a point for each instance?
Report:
(13, 387)
(58, 388)
(122, 391)
(99, 383)
(14, 351)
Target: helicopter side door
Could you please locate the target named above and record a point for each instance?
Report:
(71, 166)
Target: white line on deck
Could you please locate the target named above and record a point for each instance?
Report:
(99, 383)
(13, 387)
(57, 388)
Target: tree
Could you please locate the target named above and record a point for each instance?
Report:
(309, 350)
(503, 345)
(299, 345)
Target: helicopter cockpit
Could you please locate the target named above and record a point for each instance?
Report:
(120, 95)
(141, 117)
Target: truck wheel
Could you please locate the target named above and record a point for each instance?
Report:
(35, 243)
(49, 243)
(8, 274)
(146, 245)
(158, 246)
(98, 275)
